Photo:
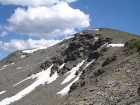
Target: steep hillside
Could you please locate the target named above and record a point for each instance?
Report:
(94, 67)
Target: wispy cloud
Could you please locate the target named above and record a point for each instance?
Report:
(4, 33)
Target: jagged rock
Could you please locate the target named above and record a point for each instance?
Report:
(99, 72)
(83, 84)
(73, 87)
(68, 65)
(58, 60)
(109, 60)
(93, 55)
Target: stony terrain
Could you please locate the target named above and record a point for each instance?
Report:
(108, 75)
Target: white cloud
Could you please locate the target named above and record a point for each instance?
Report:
(16, 44)
(34, 2)
(0, 43)
(4, 33)
(47, 22)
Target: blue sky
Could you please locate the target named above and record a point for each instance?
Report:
(27, 24)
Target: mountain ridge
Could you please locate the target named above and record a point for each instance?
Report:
(109, 69)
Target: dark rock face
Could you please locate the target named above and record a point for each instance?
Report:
(93, 55)
(138, 91)
(73, 87)
(99, 72)
(109, 60)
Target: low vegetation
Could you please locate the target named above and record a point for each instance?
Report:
(135, 44)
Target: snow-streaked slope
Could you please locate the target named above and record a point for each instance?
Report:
(32, 76)
(67, 88)
(72, 72)
(7, 66)
(42, 78)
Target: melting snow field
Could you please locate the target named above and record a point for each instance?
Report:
(72, 72)
(42, 78)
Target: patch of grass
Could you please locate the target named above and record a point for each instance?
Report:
(134, 45)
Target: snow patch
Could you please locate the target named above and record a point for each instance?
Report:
(72, 72)
(29, 51)
(42, 78)
(105, 45)
(12, 63)
(53, 77)
(23, 56)
(62, 45)
(18, 68)
(96, 29)
(88, 63)
(115, 45)
(2, 92)
(67, 88)
(62, 66)
(96, 39)
(21, 81)
(1, 69)
(5, 66)
(112, 45)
